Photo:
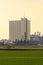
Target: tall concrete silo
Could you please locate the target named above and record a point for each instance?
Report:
(19, 29)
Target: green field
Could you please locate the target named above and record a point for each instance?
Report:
(23, 57)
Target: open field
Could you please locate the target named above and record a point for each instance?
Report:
(21, 57)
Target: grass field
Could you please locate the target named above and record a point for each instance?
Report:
(21, 57)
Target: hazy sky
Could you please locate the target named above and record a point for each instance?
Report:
(15, 9)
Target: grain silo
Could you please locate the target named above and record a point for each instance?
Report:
(19, 29)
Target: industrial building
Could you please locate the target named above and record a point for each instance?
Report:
(19, 29)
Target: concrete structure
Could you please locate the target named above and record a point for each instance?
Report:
(25, 28)
(19, 29)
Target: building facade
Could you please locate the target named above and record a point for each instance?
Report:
(19, 29)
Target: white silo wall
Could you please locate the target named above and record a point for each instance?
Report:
(18, 29)
(11, 31)
(28, 29)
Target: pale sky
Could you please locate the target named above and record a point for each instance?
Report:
(15, 9)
